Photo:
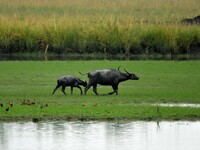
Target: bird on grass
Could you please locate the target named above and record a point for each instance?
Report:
(84, 104)
(1, 104)
(7, 109)
(11, 104)
(46, 105)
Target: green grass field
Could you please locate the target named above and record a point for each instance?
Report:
(160, 82)
(99, 26)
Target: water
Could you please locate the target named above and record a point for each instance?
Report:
(177, 105)
(100, 136)
(42, 57)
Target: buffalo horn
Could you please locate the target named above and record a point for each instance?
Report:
(126, 71)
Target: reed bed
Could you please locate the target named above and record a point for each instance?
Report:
(98, 26)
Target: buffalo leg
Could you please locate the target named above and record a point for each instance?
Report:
(71, 90)
(56, 88)
(87, 88)
(115, 88)
(111, 93)
(63, 90)
(95, 89)
(80, 89)
(116, 91)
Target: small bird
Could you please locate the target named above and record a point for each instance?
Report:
(1, 104)
(33, 103)
(84, 104)
(7, 109)
(11, 104)
(46, 105)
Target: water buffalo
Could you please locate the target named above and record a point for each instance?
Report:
(110, 77)
(69, 81)
(190, 21)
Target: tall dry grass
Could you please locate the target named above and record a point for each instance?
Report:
(101, 26)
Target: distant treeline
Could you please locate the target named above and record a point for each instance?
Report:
(110, 38)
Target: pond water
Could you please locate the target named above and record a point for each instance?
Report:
(177, 105)
(51, 57)
(181, 135)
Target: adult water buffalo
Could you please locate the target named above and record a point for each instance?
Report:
(110, 77)
(190, 21)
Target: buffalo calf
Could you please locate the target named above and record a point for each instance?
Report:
(69, 81)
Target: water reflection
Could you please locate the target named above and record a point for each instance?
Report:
(100, 135)
(50, 57)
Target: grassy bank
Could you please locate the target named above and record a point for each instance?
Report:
(123, 27)
(29, 84)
